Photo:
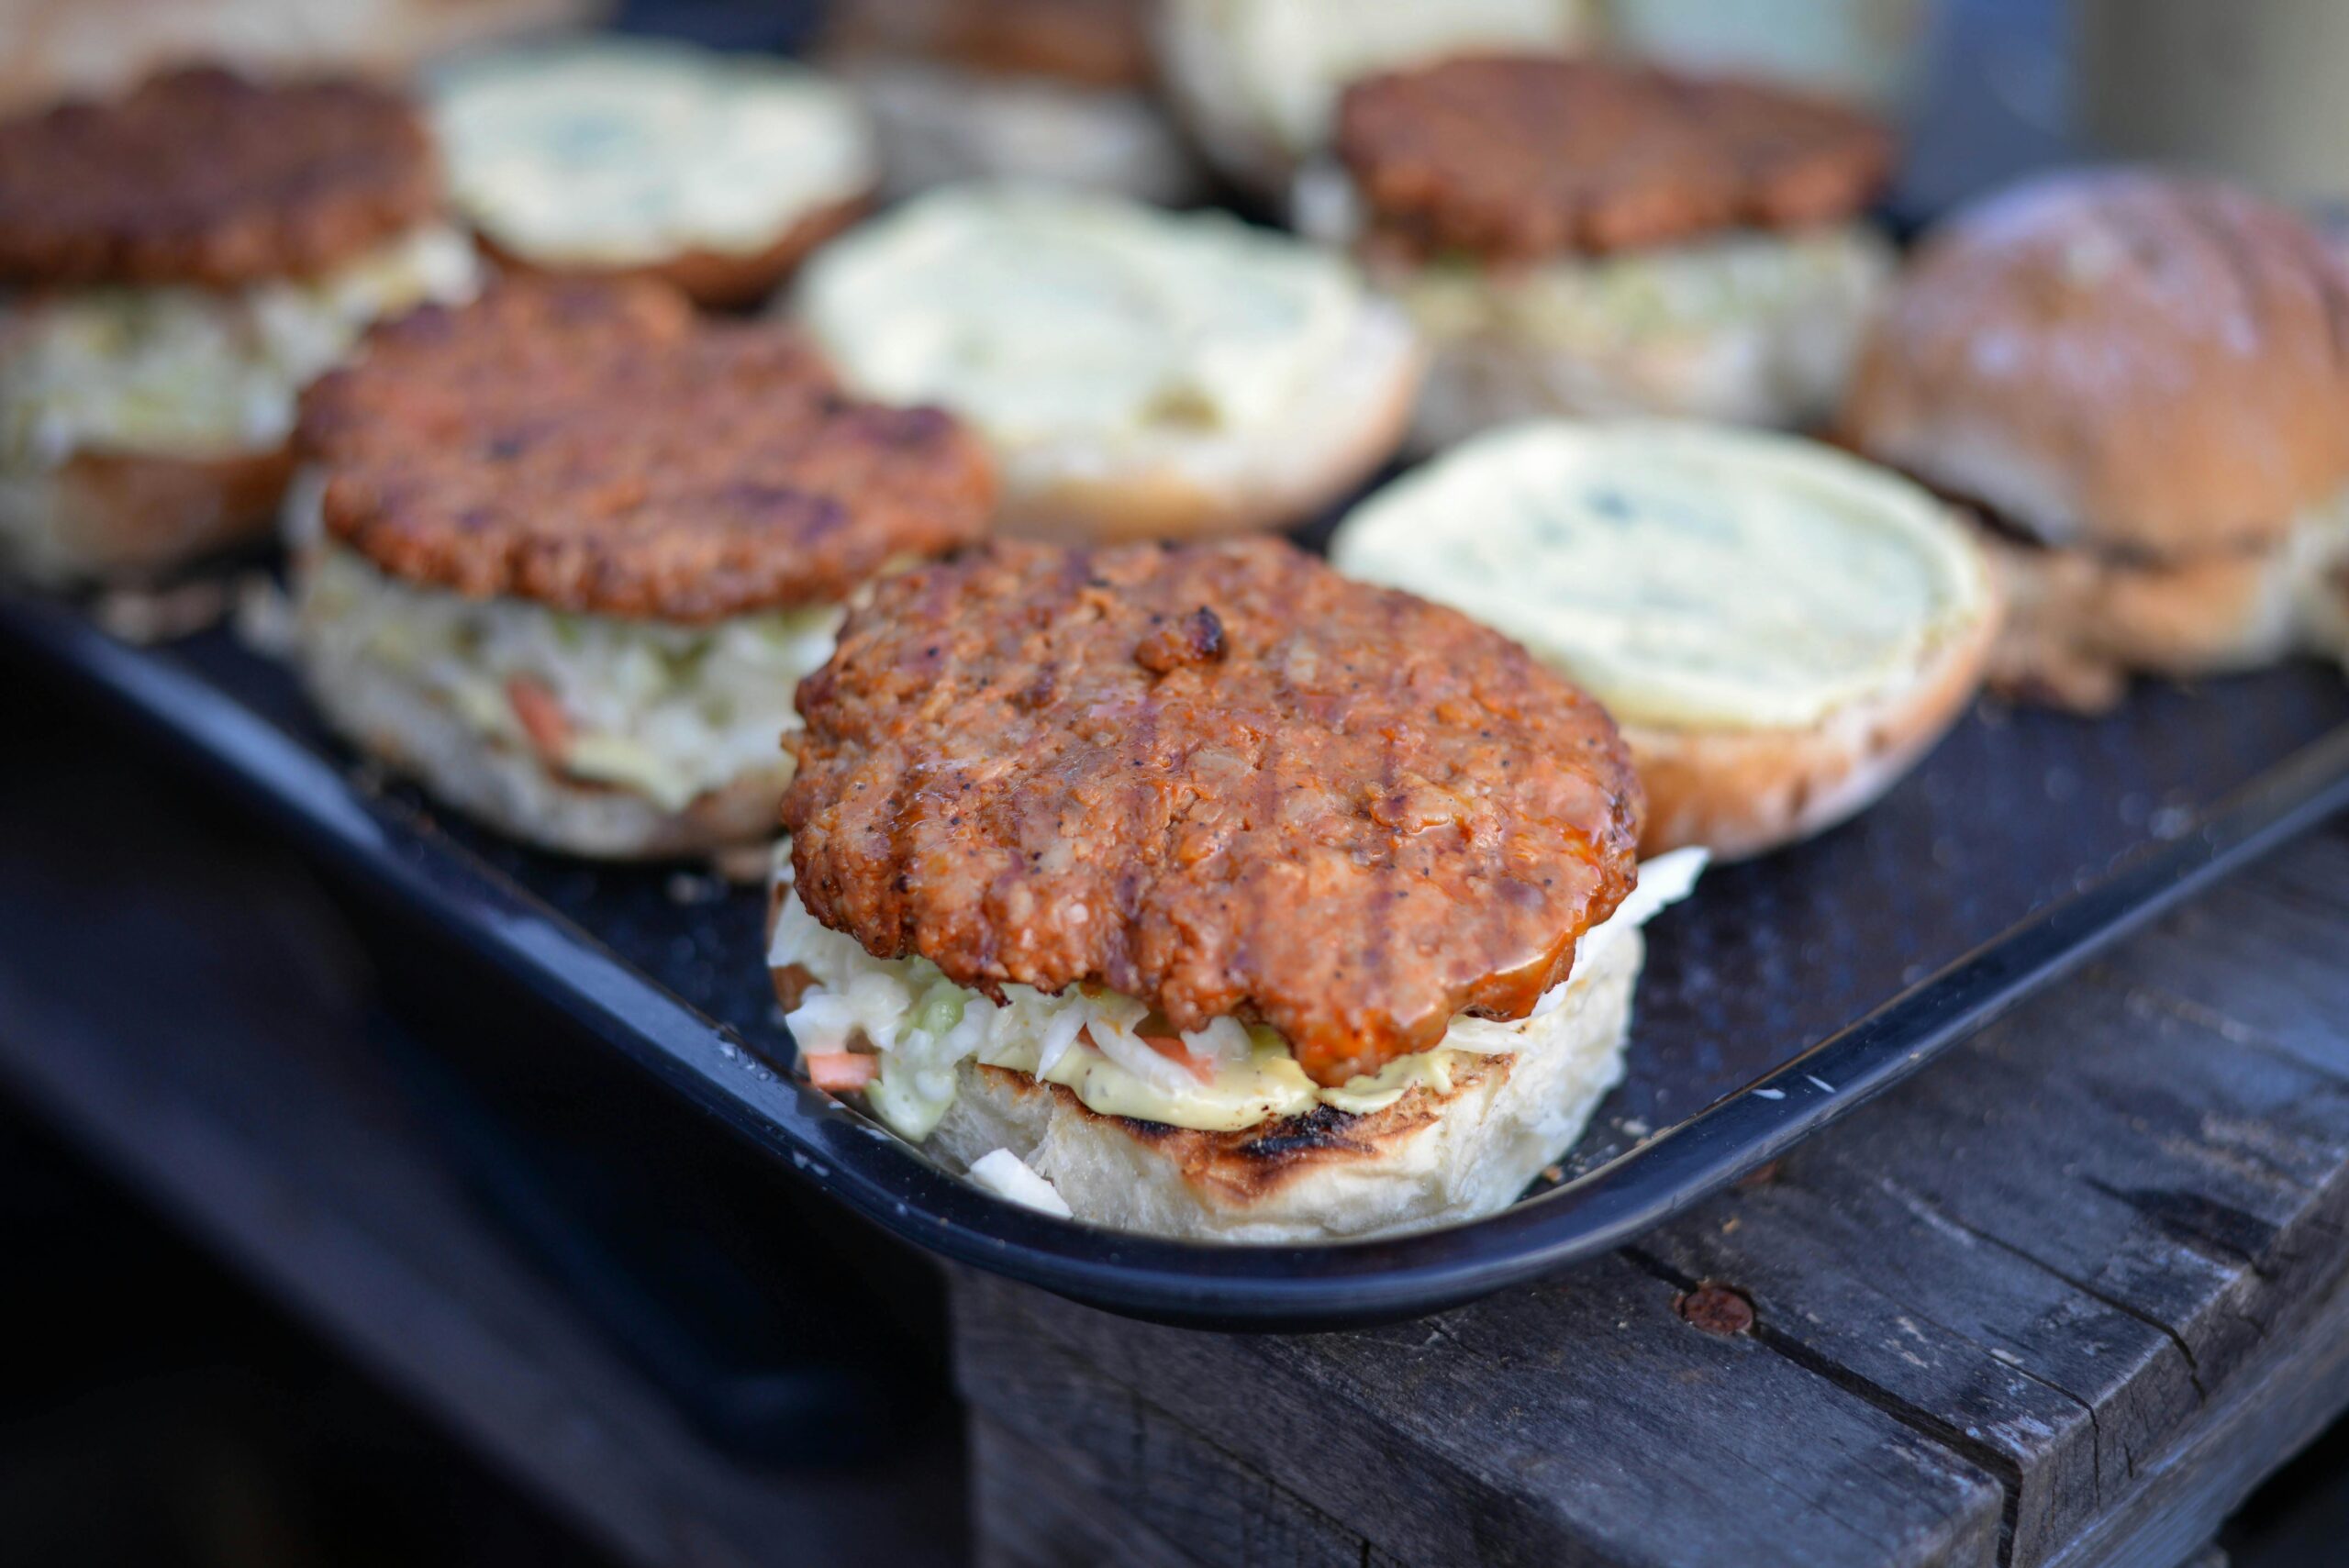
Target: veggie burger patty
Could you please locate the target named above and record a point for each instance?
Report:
(566, 552)
(598, 448)
(200, 176)
(1222, 781)
(1511, 157)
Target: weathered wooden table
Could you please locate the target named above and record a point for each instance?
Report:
(2064, 1298)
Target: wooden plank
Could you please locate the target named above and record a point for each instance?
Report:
(2278, 1406)
(1033, 1489)
(1582, 1422)
(2261, 959)
(2049, 1257)
(2205, 1159)
(1997, 1357)
(1033, 1509)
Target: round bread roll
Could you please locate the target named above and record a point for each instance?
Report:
(507, 786)
(1780, 631)
(625, 159)
(1139, 375)
(2120, 361)
(1256, 81)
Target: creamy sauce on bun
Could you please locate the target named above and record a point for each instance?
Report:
(1687, 576)
(1043, 315)
(621, 154)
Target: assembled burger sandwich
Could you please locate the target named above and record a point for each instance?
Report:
(177, 263)
(1231, 898)
(1586, 237)
(564, 552)
(2140, 386)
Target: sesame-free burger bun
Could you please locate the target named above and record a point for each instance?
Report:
(715, 280)
(1780, 631)
(2117, 361)
(1138, 373)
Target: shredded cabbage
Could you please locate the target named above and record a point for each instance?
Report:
(668, 711)
(192, 373)
(1733, 280)
(923, 1027)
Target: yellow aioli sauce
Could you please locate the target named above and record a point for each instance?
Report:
(1686, 575)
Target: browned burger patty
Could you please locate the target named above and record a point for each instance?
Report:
(1518, 157)
(1222, 779)
(1099, 43)
(597, 447)
(199, 176)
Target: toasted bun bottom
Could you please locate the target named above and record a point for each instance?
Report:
(1781, 371)
(1742, 792)
(1196, 487)
(1428, 1159)
(938, 125)
(511, 791)
(715, 280)
(2079, 622)
(124, 517)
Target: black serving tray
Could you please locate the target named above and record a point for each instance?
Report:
(1783, 993)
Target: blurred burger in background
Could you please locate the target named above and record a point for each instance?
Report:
(615, 157)
(2137, 383)
(49, 48)
(1586, 237)
(1256, 81)
(182, 259)
(1050, 90)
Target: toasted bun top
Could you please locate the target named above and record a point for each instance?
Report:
(1220, 779)
(200, 176)
(622, 151)
(1688, 576)
(2120, 360)
(598, 448)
